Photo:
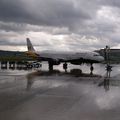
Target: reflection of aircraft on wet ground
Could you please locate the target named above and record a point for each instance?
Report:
(55, 58)
(107, 82)
(110, 81)
(73, 72)
(74, 75)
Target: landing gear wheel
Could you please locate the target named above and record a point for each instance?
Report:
(65, 66)
(91, 69)
(50, 66)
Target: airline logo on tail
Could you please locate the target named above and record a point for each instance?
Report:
(29, 45)
(31, 50)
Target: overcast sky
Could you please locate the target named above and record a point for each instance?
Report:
(59, 24)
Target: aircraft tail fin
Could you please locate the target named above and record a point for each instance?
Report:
(29, 45)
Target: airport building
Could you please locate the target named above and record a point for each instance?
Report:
(114, 54)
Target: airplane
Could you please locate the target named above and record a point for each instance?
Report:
(55, 58)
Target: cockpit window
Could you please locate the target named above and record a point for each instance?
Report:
(95, 55)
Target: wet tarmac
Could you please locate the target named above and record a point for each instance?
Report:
(58, 95)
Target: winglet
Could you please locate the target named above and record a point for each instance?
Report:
(29, 45)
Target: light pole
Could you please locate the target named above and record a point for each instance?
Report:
(107, 54)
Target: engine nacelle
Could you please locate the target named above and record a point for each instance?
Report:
(54, 62)
(76, 63)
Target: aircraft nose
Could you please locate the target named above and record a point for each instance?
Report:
(101, 58)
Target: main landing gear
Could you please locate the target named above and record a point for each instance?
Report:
(50, 66)
(65, 66)
(91, 69)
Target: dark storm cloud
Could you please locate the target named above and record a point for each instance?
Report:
(113, 3)
(12, 10)
(98, 18)
(48, 13)
(59, 13)
(71, 14)
(12, 27)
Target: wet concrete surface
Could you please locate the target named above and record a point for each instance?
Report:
(41, 95)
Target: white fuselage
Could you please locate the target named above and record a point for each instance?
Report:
(63, 55)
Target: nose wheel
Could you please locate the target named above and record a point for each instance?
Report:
(91, 69)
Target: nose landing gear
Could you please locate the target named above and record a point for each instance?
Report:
(91, 69)
(65, 66)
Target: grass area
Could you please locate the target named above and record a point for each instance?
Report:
(14, 56)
